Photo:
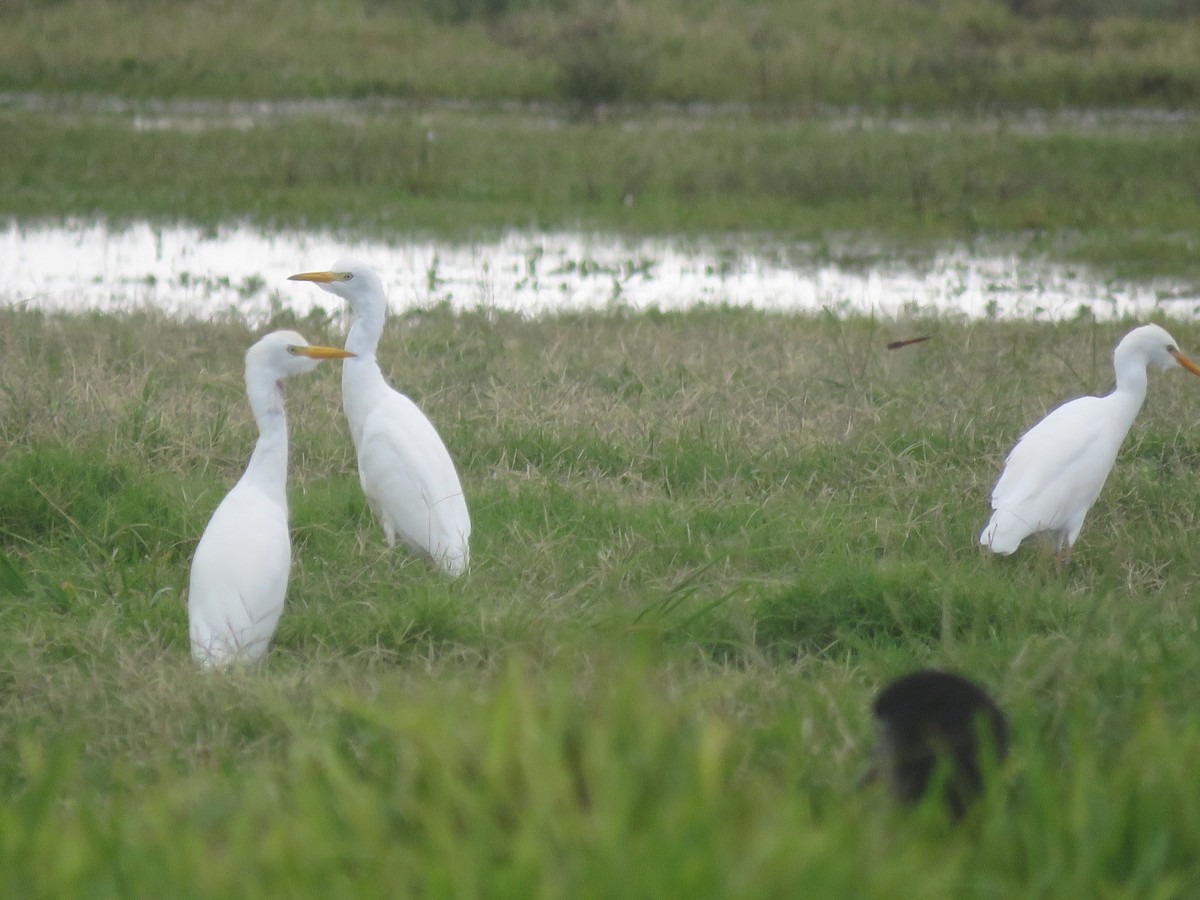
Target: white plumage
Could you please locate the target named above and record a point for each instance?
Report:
(240, 569)
(406, 472)
(1056, 471)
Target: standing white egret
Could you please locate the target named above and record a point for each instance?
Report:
(240, 568)
(404, 467)
(1055, 472)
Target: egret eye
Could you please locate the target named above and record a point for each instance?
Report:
(1171, 348)
(293, 349)
(346, 276)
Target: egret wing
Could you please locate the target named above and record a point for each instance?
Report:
(1070, 437)
(239, 577)
(410, 479)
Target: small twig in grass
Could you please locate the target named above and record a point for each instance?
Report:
(907, 342)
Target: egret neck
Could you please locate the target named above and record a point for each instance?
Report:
(1130, 393)
(267, 469)
(366, 329)
(363, 384)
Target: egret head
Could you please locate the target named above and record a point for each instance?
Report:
(936, 729)
(1154, 345)
(350, 279)
(281, 354)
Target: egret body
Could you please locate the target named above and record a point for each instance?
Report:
(1056, 470)
(240, 568)
(406, 472)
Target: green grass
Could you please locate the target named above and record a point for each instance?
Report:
(702, 542)
(805, 54)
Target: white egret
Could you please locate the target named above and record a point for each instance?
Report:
(1056, 470)
(404, 467)
(240, 568)
(930, 720)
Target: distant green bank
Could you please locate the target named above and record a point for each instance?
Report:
(899, 122)
(1118, 191)
(779, 53)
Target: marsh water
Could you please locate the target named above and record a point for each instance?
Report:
(189, 271)
(207, 272)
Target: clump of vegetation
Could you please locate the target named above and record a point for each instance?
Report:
(599, 61)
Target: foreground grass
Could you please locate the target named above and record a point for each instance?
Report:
(702, 541)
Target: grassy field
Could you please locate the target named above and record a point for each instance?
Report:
(702, 542)
(798, 54)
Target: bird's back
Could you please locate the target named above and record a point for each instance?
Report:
(1055, 472)
(407, 474)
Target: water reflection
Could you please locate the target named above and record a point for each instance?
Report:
(188, 271)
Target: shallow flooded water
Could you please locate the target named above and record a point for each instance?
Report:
(196, 115)
(189, 271)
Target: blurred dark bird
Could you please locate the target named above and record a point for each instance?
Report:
(896, 345)
(936, 729)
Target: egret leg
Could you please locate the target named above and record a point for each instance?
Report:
(1062, 556)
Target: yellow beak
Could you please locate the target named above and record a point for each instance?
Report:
(323, 277)
(1185, 362)
(317, 352)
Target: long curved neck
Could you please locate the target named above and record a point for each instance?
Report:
(1131, 377)
(1130, 392)
(267, 468)
(365, 330)
(363, 388)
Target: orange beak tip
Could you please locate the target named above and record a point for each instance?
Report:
(1186, 363)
